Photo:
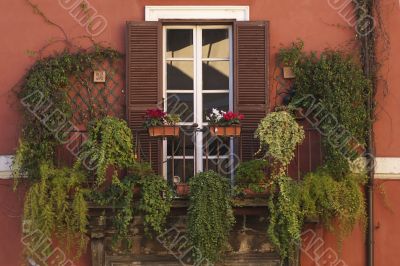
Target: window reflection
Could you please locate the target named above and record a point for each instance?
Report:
(216, 75)
(215, 43)
(179, 75)
(179, 43)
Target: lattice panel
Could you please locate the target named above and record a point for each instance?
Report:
(91, 99)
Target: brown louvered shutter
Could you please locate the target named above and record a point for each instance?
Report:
(143, 81)
(251, 54)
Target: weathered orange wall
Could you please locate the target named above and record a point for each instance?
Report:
(313, 21)
(387, 125)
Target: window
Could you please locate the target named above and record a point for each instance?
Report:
(220, 66)
(197, 75)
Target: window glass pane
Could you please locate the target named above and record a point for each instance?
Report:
(216, 75)
(221, 166)
(185, 140)
(182, 104)
(215, 145)
(215, 43)
(179, 75)
(178, 169)
(179, 43)
(219, 101)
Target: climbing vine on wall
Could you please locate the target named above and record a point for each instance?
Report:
(46, 110)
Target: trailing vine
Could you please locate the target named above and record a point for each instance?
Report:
(155, 203)
(45, 87)
(337, 84)
(210, 215)
(280, 132)
(109, 144)
(331, 194)
(56, 206)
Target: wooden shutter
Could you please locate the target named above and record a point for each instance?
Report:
(143, 81)
(251, 57)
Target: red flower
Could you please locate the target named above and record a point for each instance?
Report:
(155, 113)
(228, 116)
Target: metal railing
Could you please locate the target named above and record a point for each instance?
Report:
(176, 156)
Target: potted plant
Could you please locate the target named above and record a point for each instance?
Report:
(161, 124)
(181, 187)
(225, 124)
(251, 178)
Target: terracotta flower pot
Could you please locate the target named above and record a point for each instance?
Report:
(182, 189)
(226, 131)
(164, 131)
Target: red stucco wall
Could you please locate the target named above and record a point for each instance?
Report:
(313, 21)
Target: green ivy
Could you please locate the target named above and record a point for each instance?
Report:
(286, 216)
(251, 175)
(210, 215)
(46, 84)
(56, 206)
(339, 205)
(109, 144)
(337, 82)
(280, 133)
(155, 203)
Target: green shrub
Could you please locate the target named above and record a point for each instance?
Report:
(251, 175)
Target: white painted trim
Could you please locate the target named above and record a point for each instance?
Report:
(387, 167)
(155, 13)
(5, 166)
(197, 87)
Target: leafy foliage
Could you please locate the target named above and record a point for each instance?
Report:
(280, 132)
(210, 214)
(286, 215)
(251, 175)
(339, 85)
(109, 144)
(56, 206)
(333, 193)
(46, 85)
(119, 195)
(339, 205)
(155, 203)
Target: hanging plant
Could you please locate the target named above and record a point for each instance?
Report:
(109, 144)
(56, 206)
(154, 203)
(210, 215)
(286, 216)
(280, 133)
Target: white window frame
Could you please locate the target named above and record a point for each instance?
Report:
(197, 90)
(239, 13)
